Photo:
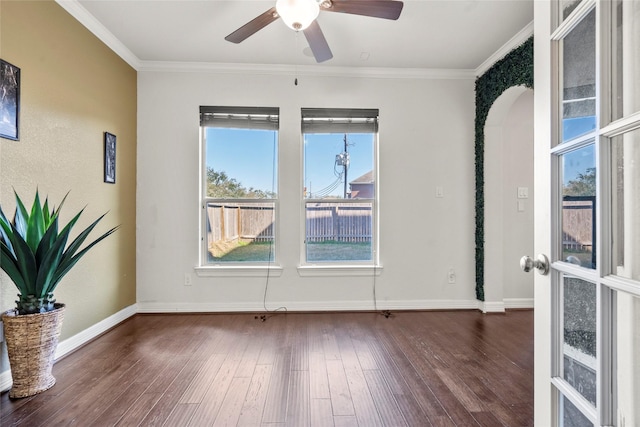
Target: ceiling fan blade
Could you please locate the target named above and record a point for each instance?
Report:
(253, 26)
(317, 42)
(386, 9)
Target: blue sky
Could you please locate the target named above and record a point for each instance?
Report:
(321, 150)
(578, 161)
(249, 156)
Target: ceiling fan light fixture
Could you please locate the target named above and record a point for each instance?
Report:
(298, 14)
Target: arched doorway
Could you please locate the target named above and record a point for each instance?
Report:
(508, 198)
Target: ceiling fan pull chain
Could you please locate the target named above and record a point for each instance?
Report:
(295, 66)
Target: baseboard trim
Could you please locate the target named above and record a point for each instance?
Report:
(5, 380)
(506, 304)
(70, 344)
(516, 303)
(67, 346)
(492, 306)
(155, 307)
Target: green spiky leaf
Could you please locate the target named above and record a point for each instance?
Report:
(35, 255)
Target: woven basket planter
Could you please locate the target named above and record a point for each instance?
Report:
(31, 344)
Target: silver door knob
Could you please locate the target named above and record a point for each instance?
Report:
(541, 264)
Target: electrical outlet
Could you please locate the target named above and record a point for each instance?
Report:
(187, 279)
(451, 276)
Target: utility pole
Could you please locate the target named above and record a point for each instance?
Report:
(345, 164)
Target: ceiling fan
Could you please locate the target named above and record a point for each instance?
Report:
(300, 15)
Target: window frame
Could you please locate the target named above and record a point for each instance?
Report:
(235, 269)
(335, 268)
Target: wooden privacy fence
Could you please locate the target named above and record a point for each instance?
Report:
(229, 222)
(578, 222)
(343, 222)
(578, 225)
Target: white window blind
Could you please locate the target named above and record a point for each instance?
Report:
(339, 120)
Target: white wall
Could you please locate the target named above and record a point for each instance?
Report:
(508, 219)
(426, 140)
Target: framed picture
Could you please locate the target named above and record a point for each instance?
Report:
(9, 100)
(109, 158)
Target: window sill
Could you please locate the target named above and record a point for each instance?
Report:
(339, 270)
(238, 271)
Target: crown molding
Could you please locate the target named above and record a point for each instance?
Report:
(82, 15)
(306, 70)
(513, 43)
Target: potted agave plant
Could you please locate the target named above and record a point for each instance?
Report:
(35, 256)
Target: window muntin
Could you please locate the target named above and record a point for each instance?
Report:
(239, 151)
(339, 188)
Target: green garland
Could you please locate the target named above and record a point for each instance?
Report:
(515, 69)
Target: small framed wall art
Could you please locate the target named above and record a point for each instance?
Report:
(109, 158)
(9, 100)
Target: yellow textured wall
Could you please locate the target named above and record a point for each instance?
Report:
(73, 89)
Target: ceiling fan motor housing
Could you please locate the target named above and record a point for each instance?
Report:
(298, 14)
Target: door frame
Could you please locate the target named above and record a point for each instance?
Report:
(515, 69)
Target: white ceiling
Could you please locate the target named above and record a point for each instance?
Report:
(430, 34)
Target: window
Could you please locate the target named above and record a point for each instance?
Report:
(340, 186)
(239, 184)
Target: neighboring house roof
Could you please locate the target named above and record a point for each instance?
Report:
(367, 178)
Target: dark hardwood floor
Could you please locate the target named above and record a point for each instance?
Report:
(440, 368)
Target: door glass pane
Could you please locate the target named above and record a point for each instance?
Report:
(579, 344)
(570, 416)
(579, 206)
(579, 80)
(626, 65)
(628, 359)
(567, 6)
(625, 204)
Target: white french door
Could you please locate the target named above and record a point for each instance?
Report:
(593, 161)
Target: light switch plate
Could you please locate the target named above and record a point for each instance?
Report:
(523, 192)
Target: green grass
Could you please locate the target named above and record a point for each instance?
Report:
(316, 252)
(339, 251)
(246, 251)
